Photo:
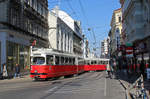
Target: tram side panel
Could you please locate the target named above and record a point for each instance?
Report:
(80, 66)
(38, 71)
(94, 67)
(52, 71)
(62, 70)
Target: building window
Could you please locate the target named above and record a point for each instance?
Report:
(117, 30)
(119, 19)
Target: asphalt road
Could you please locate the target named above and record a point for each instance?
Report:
(93, 85)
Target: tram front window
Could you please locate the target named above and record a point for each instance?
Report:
(38, 60)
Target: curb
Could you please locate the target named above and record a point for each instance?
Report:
(15, 79)
(126, 91)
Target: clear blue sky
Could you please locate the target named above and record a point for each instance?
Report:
(94, 14)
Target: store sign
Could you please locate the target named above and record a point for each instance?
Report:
(23, 53)
(148, 73)
(129, 51)
(129, 44)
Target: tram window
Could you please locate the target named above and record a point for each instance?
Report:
(38, 60)
(81, 62)
(57, 60)
(84, 62)
(70, 61)
(95, 62)
(89, 62)
(103, 62)
(99, 62)
(66, 60)
(106, 62)
(73, 61)
(49, 60)
(62, 60)
(92, 62)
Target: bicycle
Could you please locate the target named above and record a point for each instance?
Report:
(140, 90)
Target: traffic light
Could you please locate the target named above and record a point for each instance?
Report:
(33, 42)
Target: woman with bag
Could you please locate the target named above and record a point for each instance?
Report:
(5, 74)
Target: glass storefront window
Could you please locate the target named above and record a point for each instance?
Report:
(24, 57)
(12, 57)
(17, 53)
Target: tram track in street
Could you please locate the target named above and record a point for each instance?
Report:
(73, 82)
(90, 85)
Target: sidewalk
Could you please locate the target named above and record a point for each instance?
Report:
(22, 78)
(128, 81)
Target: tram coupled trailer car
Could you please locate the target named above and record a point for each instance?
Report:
(95, 64)
(48, 64)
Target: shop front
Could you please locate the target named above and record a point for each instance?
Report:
(17, 53)
(14, 49)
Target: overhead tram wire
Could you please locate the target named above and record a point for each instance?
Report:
(84, 14)
(73, 11)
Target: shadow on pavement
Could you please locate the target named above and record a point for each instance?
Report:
(127, 77)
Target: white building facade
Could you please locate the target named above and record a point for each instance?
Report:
(64, 33)
(60, 34)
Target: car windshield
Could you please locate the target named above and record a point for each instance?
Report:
(38, 60)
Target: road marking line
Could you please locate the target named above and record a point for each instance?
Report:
(52, 89)
(105, 87)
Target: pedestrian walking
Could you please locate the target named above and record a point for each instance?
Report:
(142, 68)
(114, 66)
(108, 70)
(17, 71)
(124, 68)
(5, 73)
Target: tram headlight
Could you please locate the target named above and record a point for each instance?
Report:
(35, 71)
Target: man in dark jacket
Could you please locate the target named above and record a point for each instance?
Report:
(17, 71)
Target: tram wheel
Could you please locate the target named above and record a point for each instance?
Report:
(46, 79)
(68, 76)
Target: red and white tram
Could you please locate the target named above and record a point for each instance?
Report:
(95, 64)
(46, 63)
